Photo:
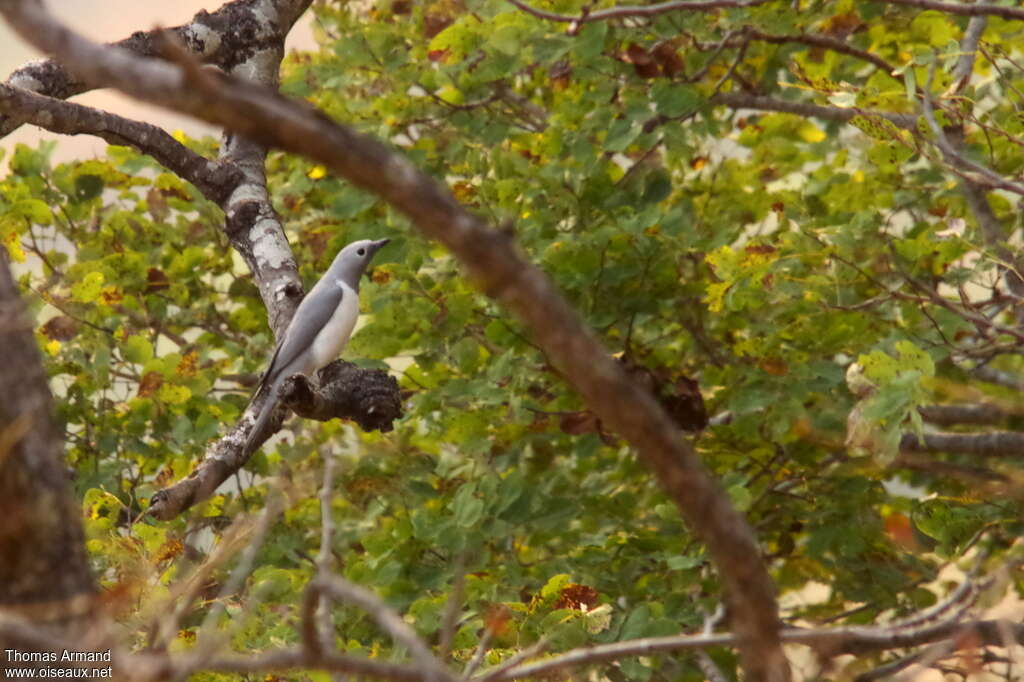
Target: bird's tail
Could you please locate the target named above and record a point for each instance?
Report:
(266, 412)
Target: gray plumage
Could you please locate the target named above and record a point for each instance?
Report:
(320, 328)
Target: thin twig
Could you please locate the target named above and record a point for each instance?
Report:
(317, 624)
(241, 572)
(536, 649)
(388, 620)
(988, 177)
(478, 655)
(626, 11)
(450, 618)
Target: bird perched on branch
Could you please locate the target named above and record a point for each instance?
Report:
(320, 328)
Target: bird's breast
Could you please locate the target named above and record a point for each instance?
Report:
(332, 338)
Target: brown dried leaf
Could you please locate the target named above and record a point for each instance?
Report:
(60, 328)
(573, 596)
(156, 280)
(150, 384)
(666, 55)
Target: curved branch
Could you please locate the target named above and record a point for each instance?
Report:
(832, 641)
(978, 9)
(627, 11)
(496, 267)
(222, 38)
(825, 42)
(214, 179)
(336, 587)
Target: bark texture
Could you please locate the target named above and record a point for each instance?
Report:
(44, 574)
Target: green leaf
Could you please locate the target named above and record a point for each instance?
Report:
(88, 289)
(674, 100)
(137, 349)
(467, 507)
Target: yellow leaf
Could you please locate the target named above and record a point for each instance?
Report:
(316, 172)
(13, 244)
(53, 347)
(715, 293)
(174, 395)
(451, 95)
(811, 133)
(189, 364)
(88, 289)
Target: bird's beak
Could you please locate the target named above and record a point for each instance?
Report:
(380, 244)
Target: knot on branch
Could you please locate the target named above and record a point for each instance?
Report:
(369, 397)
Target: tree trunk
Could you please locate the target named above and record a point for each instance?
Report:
(44, 572)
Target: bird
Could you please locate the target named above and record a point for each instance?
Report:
(320, 328)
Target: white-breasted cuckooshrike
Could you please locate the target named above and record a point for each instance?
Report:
(320, 328)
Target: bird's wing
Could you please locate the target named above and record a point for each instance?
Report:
(311, 316)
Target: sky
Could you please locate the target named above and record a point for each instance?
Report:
(107, 21)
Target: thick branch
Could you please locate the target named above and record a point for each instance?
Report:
(256, 232)
(369, 397)
(936, 467)
(973, 413)
(999, 377)
(981, 8)
(223, 38)
(988, 444)
(496, 267)
(44, 573)
(215, 180)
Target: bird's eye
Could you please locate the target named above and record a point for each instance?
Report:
(361, 252)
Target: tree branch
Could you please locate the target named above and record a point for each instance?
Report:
(222, 38)
(978, 9)
(627, 11)
(495, 266)
(370, 397)
(973, 413)
(985, 176)
(214, 179)
(745, 100)
(391, 622)
(141, 668)
(830, 641)
(987, 444)
(998, 377)
(825, 42)
(45, 568)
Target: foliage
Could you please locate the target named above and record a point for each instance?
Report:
(759, 252)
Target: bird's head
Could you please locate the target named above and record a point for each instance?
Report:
(350, 263)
